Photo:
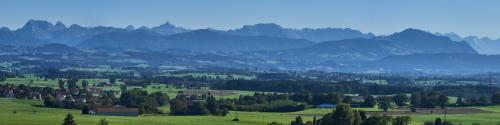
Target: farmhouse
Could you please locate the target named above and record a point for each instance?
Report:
(117, 111)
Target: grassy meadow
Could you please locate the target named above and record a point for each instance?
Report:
(32, 80)
(25, 115)
(50, 116)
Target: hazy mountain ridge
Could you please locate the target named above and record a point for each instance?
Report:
(264, 46)
(448, 63)
(59, 33)
(2, 29)
(168, 29)
(483, 45)
(73, 35)
(317, 35)
(198, 40)
(11, 38)
(410, 41)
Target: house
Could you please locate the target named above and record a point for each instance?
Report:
(117, 111)
(326, 106)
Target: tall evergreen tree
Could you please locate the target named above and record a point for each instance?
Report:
(401, 120)
(442, 101)
(415, 99)
(342, 115)
(384, 103)
(438, 121)
(357, 118)
(103, 122)
(61, 84)
(69, 120)
(369, 101)
(400, 99)
(495, 99)
(298, 121)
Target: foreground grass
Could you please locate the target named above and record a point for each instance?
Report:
(50, 116)
(465, 119)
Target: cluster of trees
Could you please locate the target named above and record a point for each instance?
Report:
(267, 102)
(466, 90)
(147, 103)
(344, 115)
(479, 101)
(290, 86)
(314, 86)
(4, 75)
(428, 99)
(52, 73)
(208, 105)
(183, 105)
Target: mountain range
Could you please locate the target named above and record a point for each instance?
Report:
(336, 48)
(409, 41)
(483, 45)
(317, 35)
(75, 34)
(197, 40)
(36, 32)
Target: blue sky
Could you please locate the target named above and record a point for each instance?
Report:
(465, 17)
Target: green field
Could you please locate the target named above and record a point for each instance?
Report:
(50, 116)
(211, 75)
(32, 80)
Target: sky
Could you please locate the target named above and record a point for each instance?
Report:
(464, 17)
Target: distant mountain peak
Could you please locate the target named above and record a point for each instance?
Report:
(34, 25)
(203, 32)
(264, 25)
(59, 26)
(412, 33)
(130, 28)
(4, 29)
(144, 28)
(317, 35)
(167, 28)
(75, 26)
(167, 25)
